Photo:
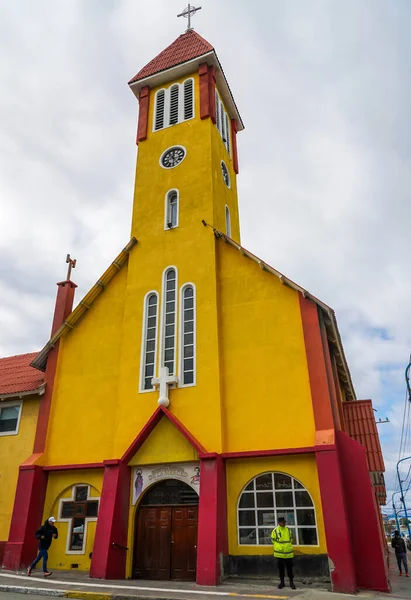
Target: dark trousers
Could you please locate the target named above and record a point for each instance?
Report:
(283, 564)
(402, 560)
(43, 554)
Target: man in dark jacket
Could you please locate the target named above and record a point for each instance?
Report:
(45, 535)
(398, 544)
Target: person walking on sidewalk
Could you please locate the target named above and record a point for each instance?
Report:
(398, 544)
(45, 535)
(282, 540)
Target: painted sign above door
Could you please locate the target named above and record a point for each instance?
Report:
(145, 476)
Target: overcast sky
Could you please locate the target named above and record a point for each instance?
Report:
(324, 89)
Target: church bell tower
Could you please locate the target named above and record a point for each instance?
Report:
(187, 160)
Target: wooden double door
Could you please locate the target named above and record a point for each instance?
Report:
(166, 543)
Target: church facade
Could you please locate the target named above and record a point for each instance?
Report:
(195, 394)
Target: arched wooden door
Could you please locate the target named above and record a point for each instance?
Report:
(165, 539)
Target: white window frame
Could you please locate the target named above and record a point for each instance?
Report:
(87, 520)
(227, 221)
(295, 508)
(142, 389)
(166, 209)
(167, 102)
(223, 122)
(11, 404)
(163, 319)
(181, 338)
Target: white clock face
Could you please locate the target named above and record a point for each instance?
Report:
(225, 173)
(172, 157)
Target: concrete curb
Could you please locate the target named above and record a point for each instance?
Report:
(17, 589)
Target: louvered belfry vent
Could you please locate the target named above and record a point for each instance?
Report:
(174, 105)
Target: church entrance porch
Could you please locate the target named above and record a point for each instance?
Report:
(165, 540)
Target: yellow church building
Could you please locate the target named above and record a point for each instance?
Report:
(195, 394)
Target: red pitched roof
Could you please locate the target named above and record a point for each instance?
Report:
(361, 426)
(186, 47)
(16, 375)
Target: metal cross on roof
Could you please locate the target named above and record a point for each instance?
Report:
(187, 13)
(71, 265)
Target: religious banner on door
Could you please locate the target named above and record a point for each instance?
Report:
(144, 477)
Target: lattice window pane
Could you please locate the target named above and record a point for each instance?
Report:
(170, 308)
(159, 110)
(150, 341)
(188, 99)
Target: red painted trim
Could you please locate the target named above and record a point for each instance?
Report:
(27, 516)
(112, 461)
(212, 542)
(338, 392)
(149, 427)
(204, 91)
(63, 307)
(144, 105)
(234, 131)
(336, 524)
(71, 467)
(330, 376)
(276, 452)
(211, 93)
(109, 558)
(320, 393)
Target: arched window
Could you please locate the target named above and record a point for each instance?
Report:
(174, 105)
(188, 336)
(169, 347)
(265, 499)
(222, 122)
(149, 341)
(174, 93)
(159, 109)
(227, 221)
(171, 210)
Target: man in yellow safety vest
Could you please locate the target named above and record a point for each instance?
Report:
(282, 539)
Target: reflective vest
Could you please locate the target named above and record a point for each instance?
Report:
(282, 539)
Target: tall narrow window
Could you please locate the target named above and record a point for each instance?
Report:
(222, 122)
(159, 110)
(227, 221)
(217, 111)
(171, 210)
(187, 335)
(149, 343)
(188, 99)
(174, 93)
(169, 324)
(227, 132)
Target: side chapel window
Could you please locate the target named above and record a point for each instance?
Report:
(188, 335)
(265, 499)
(149, 341)
(77, 512)
(174, 105)
(222, 122)
(169, 320)
(171, 210)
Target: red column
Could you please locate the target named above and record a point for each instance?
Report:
(21, 548)
(110, 552)
(336, 524)
(212, 543)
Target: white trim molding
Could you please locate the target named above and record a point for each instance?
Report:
(13, 404)
(181, 336)
(142, 389)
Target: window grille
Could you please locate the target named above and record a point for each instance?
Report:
(174, 93)
(174, 105)
(170, 310)
(222, 122)
(188, 336)
(159, 111)
(149, 346)
(188, 99)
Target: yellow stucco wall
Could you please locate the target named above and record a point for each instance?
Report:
(164, 444)
(60, 485)
(266, 392)
(15, 449)
(241, 471)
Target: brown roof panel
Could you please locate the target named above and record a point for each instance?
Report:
(17, 376)
(186, 47)
(361, 426)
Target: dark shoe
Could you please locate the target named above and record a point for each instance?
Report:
(29, 571)
(292, 586)
(47, 573)
(281, 585)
